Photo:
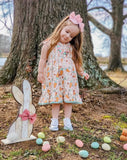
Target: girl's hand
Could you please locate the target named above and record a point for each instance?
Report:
(41, 78)
(86, 76)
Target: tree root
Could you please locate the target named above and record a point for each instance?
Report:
(111, 90)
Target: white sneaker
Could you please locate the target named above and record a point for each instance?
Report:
(67, 124)
(54, 124)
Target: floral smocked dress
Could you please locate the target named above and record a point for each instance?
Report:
(61, 82)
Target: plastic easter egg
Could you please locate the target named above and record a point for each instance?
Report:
(123, 138)
(124, 132)
(39, 141)
(95, 145)
(46, 147)
(106, 147)
(41, 135)
(60, 139)
(79, 143)
(45, 142)
(125, 146)
(107, 139)
(83, 154)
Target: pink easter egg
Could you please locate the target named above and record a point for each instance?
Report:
(46, 147)
(125, 146)
(79, 143)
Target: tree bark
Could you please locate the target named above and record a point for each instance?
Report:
(115, 55)
(34, 20)
(115, 33)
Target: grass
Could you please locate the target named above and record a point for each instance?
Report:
(105, 60)
(123, 117)
(114, 157)
(16, 153)
(8, 95)
(72, 149)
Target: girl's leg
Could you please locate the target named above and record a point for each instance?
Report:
(67, 110)
(54, 120)
(55, 110)
(67, 113)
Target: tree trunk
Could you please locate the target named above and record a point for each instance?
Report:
(115, 33)
(34, 20)
(115, 48)
(115, 56)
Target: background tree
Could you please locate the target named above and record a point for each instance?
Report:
(114, 33)
(34, 20)
(6, 8)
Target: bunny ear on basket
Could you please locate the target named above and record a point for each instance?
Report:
(76, 19)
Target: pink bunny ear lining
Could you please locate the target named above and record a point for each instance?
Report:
(76, 19)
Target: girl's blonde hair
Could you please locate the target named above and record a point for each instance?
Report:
(76, 42)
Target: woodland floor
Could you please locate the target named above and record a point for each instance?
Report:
(99, 115)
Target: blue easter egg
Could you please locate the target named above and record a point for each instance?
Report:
(83, 153)
(95, 145)
(39, 141)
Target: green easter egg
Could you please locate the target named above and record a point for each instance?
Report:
(107, 139)
(41, 135)
(83, 154)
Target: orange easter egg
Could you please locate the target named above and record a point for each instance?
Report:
(123, 138)
(124, 132)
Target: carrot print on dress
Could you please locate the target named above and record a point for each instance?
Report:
(55, 85)
(70, 85)
(61, 77)
(67, 70)
(61, 72)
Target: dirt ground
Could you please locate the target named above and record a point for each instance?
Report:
(100, 115)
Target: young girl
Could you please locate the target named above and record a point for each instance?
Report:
(60, 62)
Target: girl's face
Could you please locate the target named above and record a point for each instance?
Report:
(68, 33)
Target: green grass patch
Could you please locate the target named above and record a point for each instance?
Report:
(16, 153)
(107, 117)
(123, 117)
(32, 152)
(112, 156)
(72, 149)
(47, 155)
(121, 125)
(8, 95)
(86, 128)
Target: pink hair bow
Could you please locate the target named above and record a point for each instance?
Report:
(76, 19)
(26, 116)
